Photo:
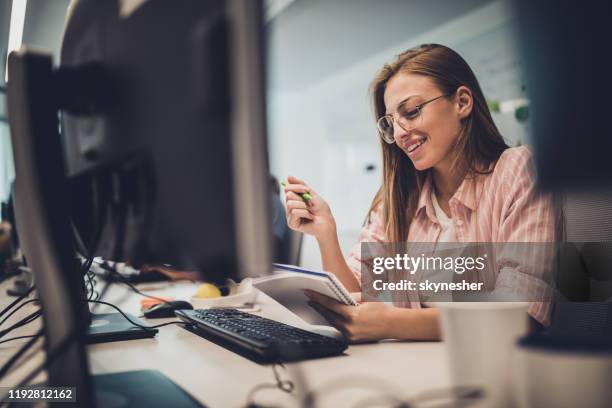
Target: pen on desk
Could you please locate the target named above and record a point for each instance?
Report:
(305, 196)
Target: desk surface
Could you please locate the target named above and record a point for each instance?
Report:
(220, 378)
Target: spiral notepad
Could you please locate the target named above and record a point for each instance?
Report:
(287, 284)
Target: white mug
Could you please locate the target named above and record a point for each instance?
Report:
(480, 340)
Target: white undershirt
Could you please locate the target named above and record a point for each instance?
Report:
(447, 234)
(447, 226)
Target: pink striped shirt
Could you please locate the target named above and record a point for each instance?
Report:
(502, 206)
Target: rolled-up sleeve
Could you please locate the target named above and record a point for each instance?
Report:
(529, 216)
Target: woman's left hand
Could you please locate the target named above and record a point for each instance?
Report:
(369, 321)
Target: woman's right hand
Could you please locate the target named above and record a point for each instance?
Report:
(313, 218)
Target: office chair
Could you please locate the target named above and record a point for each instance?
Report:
(587, 309)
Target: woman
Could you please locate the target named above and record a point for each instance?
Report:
(448, 176)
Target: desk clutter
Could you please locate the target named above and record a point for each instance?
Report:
(242, 296)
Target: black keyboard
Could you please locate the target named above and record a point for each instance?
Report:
(269, 340)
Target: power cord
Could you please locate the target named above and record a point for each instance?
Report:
(50, 358)
(113, 271)
(26, 320)
(386, 394)
(16, 301)
(15, 311)
(63, 344)
(286, 386)
(18, 338)
(7, 366)
(133, 322)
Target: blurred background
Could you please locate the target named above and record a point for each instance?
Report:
(322, 55)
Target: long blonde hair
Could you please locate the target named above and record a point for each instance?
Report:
(479, 145)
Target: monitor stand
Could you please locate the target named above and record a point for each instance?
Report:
(107, 327)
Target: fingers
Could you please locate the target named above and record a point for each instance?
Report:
(295, 204)
(296, 213)
(297, 188)
(329, 303)
(296, 210)
(297, 185)
(296, 218)
(333, 319)
(290, 196)
(295, 180)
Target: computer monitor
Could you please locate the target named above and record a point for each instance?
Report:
(564, 52)
(162, 154)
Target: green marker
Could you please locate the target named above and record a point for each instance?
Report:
(305, 196)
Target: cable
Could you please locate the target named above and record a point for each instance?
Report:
(89, 277)
(6, 367)
(102, 293)
(19, 299)
(96, 294)
(51, 356)
(28, 319)
(90, 288)
(287, 386)
(18, 337)
(123, 280)
(91, 291)
(134, 323)
(15, 311)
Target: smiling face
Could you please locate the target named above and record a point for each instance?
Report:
(430, 143)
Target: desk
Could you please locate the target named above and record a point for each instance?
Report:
(220, 378)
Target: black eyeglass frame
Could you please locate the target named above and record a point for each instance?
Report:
(391, 117)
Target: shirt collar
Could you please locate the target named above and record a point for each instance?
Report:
(470, 190)
(468, 194)
(425, 198)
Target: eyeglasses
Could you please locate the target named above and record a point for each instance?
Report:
(409, 117)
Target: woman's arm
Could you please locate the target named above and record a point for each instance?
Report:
(530, 216)
(314, 217)
(333, 261)
(415, 324)
(371, 321)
